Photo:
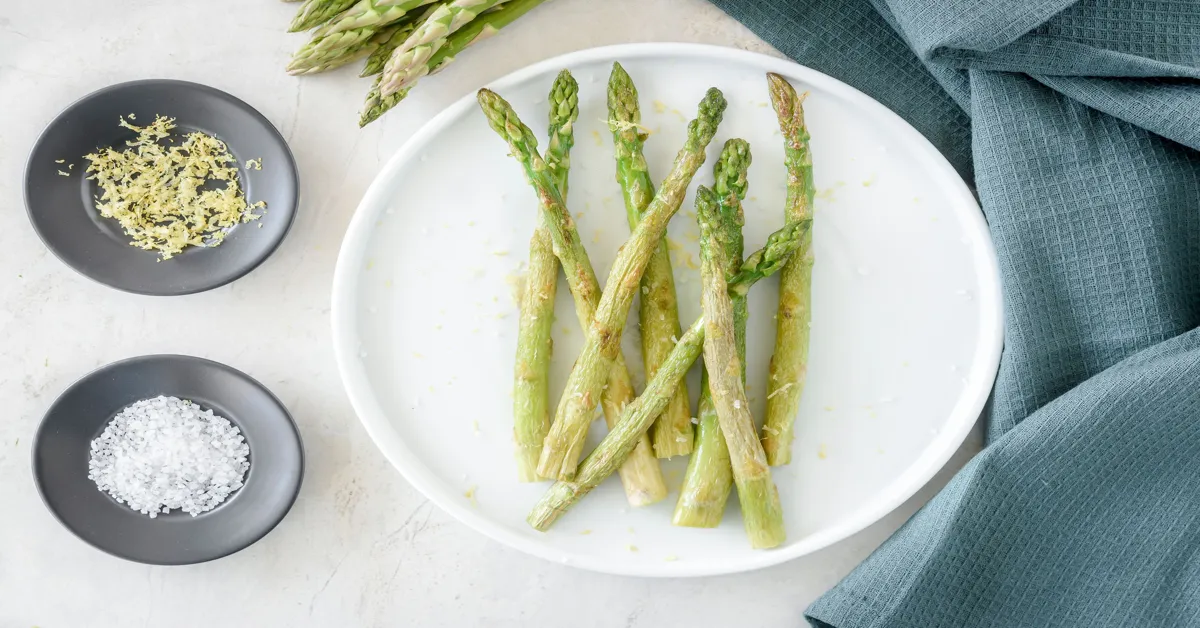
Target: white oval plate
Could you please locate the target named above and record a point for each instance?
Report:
(906, 323)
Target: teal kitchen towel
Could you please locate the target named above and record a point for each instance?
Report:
(1079, 124)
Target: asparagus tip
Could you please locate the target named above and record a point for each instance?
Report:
(623, 106)
(564, 98)
(731, 169)
(711, 110)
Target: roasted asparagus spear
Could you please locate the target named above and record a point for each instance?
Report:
(789, 363)
(658, 311)
(761, 513)
(564, 444)
(531, 389)
(640, 474)
(638, 416)
(709, 478)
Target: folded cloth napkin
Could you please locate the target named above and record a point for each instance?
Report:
(1079, 124)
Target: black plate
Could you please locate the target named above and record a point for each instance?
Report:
(61, 449)
(64, 215)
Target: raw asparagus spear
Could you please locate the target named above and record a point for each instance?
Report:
(369, 14)
(380, 54)
(761, 513)
(388, 40)
(410, 61)
(638, 416)
(789, 363)
(640, 473)
(313, 13)
(658, 311)
(338, 49)
(330, 51)
(477, 30)
(564, 443)
(531, 390)
(347, 33)
(709, 477)
(376, 105)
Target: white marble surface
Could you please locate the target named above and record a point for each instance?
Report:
(361, 547)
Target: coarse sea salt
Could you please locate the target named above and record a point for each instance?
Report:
(164, 453)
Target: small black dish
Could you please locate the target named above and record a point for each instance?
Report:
(62, 446)
(65, 217)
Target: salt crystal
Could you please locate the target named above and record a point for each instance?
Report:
(165, 453)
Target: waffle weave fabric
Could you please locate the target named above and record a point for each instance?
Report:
(1078, 122)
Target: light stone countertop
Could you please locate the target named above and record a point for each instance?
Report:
(361, 547)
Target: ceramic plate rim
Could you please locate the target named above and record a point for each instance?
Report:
(105, 368)
(293, 170)
(958, 424)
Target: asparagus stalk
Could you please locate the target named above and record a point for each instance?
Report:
(480, 28)
(410, 61)
(338, 49)
(789, 363)
(391, 39)
(761, 513)
(348, 36)
(658, 311)
(330, 51)
(638, 416)
(368, 14)
(564, 443)
(531, 391)
(313, 13)
(376, 104)
(640, 473)
(709, 477)
(564, 111)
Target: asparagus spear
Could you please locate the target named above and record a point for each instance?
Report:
(709, 477)
(789, 363)
(409, 62)
(338, 49)
(377, 105)
(368, 14)
(380, 54)
(658, 311)
(638, 416)
(477, 30)
(330, 51)
(564, 111)
(640, 474)
(348, 35)
(564, 443)
(313, 13)
(761, 512)
(531, 392)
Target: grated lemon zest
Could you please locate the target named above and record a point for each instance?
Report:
(163, 196)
